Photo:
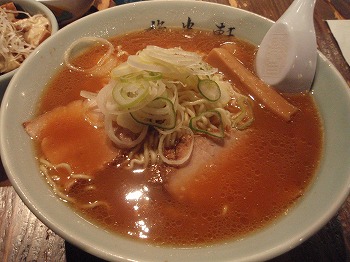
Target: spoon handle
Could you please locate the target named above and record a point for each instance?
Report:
(287, 55)
(299, 13)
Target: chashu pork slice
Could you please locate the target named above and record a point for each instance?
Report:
(65, 136)
(200, 180)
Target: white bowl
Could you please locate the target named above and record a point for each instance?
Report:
(314, 210)
(32, 7)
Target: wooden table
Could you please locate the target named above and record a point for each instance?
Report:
(24, 238)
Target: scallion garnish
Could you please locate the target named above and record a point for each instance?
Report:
(158, 113)
(209, 89)
(209, 123)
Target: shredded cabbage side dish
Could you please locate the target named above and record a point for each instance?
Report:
(19, 37)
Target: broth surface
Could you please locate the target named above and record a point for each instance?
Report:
(258, 181)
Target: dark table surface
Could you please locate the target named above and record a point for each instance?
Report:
(24, 238)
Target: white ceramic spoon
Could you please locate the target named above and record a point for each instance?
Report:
(287, 55)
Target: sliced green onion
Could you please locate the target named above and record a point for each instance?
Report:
(158, 113)
(245, 118)
(121, 141)
(192, 80)
(126, 121)
(214, 127)
(209, 89)
(129, 94)
(146, 75)
(186, 156)
(82, 44)
(152, 76)
(123, 69)
(130, 77)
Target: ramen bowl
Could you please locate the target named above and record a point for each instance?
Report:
(321, 201)
(31, 7)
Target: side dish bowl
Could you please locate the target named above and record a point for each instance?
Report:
(324, 197)
(67, 11)
(31, 7)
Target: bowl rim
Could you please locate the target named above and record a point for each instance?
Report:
(104, 253)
